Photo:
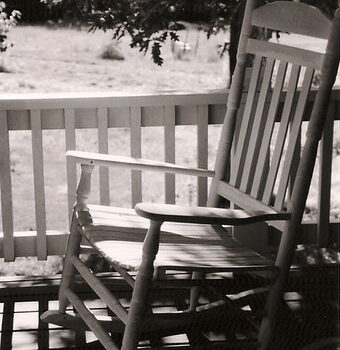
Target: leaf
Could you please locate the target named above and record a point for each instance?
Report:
(174, 36)
(223, 48)
(156, 53)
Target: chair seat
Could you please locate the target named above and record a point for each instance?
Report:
(118, 234)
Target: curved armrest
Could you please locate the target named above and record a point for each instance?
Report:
(107, 160)
(206, 215)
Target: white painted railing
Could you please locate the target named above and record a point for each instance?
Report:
(132, 115)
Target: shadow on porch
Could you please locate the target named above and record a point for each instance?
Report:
(308, 318)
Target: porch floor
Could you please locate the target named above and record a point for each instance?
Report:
(311, 316)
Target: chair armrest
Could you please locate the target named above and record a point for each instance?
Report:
(107, 160)
(206, 215)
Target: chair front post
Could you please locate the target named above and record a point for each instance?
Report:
(84, 187)
(75, 237)
(139, 301)
(73, 249)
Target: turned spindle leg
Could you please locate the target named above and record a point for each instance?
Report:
(139, 302)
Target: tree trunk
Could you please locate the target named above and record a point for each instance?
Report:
(235, 30)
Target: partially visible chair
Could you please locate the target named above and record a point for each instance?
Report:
(157, 240)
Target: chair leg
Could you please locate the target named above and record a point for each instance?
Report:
(195, 292)
(73, 249)
(271, 313)
(139, 301)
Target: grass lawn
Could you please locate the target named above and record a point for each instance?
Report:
(50, 59)
(54, 59)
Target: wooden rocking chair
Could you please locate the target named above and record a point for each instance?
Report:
(150, 245)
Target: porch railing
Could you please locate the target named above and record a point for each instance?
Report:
(132, 115)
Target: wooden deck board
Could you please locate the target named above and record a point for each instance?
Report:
(21, 329)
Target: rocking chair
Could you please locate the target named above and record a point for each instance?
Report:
(155, 245)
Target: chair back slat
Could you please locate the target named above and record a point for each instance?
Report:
(282, 52)
(301, 20)
(281, 137)
(247, 121)
(263, 158)
(293, 139)
(257, 129)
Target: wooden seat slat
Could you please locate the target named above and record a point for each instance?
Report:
(178, 256)
(122, 246)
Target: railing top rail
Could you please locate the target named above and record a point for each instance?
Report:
(102, 99)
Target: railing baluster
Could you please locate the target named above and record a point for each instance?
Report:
(103, 147)
(6, 189)
(71, 169)
(169, 152)
(39, 183)
(16, 116)
(325, 169)
(136, 151)
(7, 325)
(202, 152)
(43, 331)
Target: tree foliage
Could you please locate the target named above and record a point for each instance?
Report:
(6, 22)
(149, 23)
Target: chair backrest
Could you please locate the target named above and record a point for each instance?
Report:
(262, 158)
(254, 169)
